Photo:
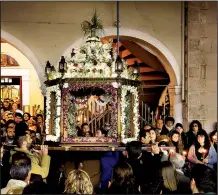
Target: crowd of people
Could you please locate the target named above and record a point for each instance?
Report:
(190, 168)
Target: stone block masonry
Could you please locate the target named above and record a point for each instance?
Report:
(201, 64)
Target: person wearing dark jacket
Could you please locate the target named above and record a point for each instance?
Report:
(179, 128)
(5, 169)
(134, 158)
(168, 127)
(203, 180)
(194, 127)
(108, 161)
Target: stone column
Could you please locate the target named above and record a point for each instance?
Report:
(176, 103)
(201, 68)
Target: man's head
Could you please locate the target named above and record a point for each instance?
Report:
(14, 106)
(159, 124)
(85, 127)
(134, 150)
(203, 179)
(39, 118)
(6, 103)
(21, 166)
(10, 132)
(9, 116)
(101, 133)
(24, 142)
(18, 117)
(169, 121)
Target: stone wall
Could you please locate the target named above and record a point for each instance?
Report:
(201, 63)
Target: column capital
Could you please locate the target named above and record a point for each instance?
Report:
(176, 89)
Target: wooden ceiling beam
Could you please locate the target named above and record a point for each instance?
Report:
(143, 55)
(125, 53)
(131, 61)
(153, 77)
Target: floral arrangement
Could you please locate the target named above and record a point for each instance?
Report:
(93, 59)
(49, 90)
(134, 91)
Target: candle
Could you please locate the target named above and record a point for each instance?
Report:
(184, 153)
(204, 152)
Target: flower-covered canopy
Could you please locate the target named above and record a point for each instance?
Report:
(93, 59)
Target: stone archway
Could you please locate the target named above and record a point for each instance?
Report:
(161, 52)
(27, 53)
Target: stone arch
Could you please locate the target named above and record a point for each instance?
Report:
(27, 52)
(158, 49)
(150, 43)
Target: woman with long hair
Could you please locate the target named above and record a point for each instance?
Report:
(169, 178)
(179, 128)
(78, 182)
(202, 152)
(123, 180)
(177, 141)
(194, 127)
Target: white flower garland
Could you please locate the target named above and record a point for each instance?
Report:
(49, 90)
(91, 60)
(134, 91)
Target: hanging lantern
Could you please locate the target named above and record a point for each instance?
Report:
(62, 65)
(72, 53)
(48, 68)
(118, 66)
(119, 62)
(136, 69)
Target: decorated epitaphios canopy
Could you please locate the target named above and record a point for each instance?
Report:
(90, 87)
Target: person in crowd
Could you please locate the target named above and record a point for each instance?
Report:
(179, 128)
(168, 127)
(15, 109)
(85, 131)
(108, 161)
(178, 163)
(26, 117)
(144, 137)
(147, 127)
(194, 127)
(123, 180)
(151, 162)
(201, 151)
(9, 116)
(5, 175)
(213, 139)
(34, 138)
(169, 178)
(203, 180)
(153, 136)
(20, 172)
(20, 126)
(155, 186)
(176, 140)
(40, 159)
(134, 158)
(101, 133)
(159, 126)
(10, 133)
(78, 182)
(6, 105)
(39, 121)
(32, 121)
